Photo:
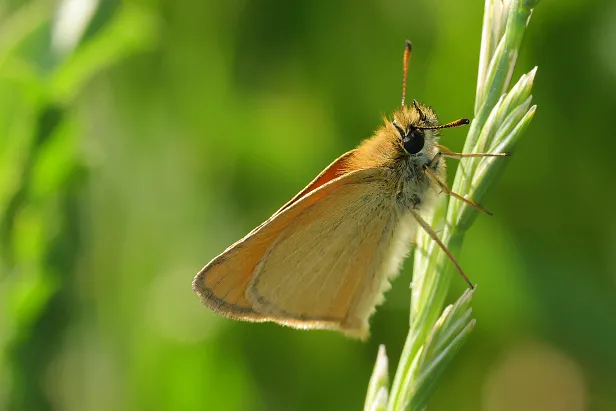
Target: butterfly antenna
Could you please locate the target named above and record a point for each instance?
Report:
(457, 123)
(405, 68)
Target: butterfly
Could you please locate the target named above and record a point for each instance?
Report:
(325, 259)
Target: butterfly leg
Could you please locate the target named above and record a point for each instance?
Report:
(447, 190)
(433, 235)
(447, 153)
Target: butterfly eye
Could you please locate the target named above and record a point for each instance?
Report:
(414, 141)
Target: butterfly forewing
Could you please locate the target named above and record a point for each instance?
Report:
(320, 263)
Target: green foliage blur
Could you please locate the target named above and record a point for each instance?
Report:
(138, 139)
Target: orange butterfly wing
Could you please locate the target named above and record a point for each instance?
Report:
(223, 290)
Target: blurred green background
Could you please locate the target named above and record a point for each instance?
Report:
(138, 139)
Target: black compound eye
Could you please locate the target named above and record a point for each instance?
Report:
(414, 141)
